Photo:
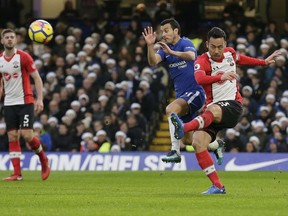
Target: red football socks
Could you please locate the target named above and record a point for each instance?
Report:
(15, 153)
(206, 163)
(201, 121)
(37, 148)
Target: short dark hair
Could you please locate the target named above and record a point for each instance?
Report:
(216, 32)
(5, 31)
(174, 24)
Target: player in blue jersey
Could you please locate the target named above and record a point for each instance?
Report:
(179, 54)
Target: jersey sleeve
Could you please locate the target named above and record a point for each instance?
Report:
(189, 46)
(201, 65)
(245, 60)
(28, 63)
(161, 53)
(202, 72)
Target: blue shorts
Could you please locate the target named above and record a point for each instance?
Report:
(196, 101)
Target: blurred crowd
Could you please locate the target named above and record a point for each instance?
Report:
(101, 95)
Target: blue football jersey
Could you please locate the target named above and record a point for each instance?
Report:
(180, 70)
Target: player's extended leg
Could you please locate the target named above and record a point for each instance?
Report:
(201, 140)
(174, 154)
(179, 106)
(15, 153)
(36, 146)
(217, 146)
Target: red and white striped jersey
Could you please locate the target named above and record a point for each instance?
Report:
(15, 72)
(221, 90)
(208, 74)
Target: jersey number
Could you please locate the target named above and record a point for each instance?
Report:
(26, 121)
(224, 104)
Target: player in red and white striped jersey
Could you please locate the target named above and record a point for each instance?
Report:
(16, 68)
(215, 70)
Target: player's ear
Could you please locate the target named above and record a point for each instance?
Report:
(207, 45)
(2, 41)
(176, 31)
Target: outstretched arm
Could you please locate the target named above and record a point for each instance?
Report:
(246, 60)
(188, 55)
(150, 38)
(203, 79)
(270, 59)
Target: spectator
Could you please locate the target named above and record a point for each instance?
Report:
(250, 147)
(52, 126)
(68, 14)
(232, 140)
(135, 109)
(254, 140)
(44, 136)
(259, 130)
(233, 12)
(122, 142)
(103, 141)
(135, 133)
(141, 13)
(162, 12)
(62, 141)
(87, 143)
(276, 143)
(248, 101)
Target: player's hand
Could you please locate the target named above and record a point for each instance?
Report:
(164, 47)
(229, 76)
(38, 106)
(270, 59)
(149, 35)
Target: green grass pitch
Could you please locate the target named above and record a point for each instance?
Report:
(144, 193)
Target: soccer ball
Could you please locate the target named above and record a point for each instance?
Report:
(40, 31)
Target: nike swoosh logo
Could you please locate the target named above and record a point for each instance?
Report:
(231, 166)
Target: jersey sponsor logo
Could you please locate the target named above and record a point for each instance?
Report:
(197, 67)
(231, 165)
(180, 64)
(15, 75)
(7, 76)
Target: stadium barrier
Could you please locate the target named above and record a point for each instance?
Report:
(145, 161)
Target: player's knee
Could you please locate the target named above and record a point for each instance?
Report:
(169, 110)
(13, 136)
(196, 145)
(216, 111)
(199, 144)
(27, 136)
(187, 139)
